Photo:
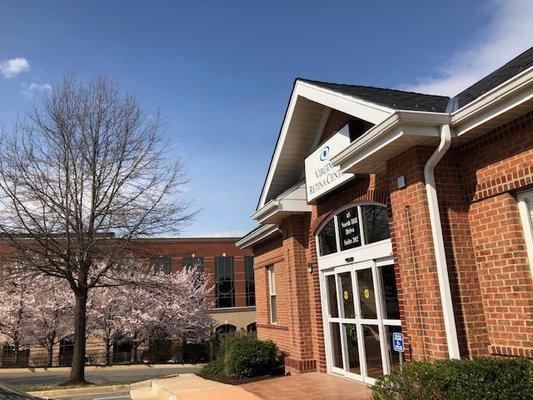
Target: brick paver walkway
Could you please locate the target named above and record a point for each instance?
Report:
(308, 386)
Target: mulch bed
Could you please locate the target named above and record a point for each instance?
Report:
(234, 381)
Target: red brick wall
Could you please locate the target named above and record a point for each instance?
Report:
(418, 289)
(495, 167)
(208, 248)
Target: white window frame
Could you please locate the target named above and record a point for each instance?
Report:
(526, 215)
(272, 294)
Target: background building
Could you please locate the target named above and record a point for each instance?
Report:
(229, 271)
(411, 213)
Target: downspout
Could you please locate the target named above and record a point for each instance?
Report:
(438, 241)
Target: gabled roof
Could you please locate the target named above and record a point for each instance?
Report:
(512, 68)
(395, 99)
(311, 101)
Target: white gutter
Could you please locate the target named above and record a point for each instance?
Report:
(438, 241)
(258, 235)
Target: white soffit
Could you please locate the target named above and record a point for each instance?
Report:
(306, 116)
(398, 133)
(292, 201)
(258, 235)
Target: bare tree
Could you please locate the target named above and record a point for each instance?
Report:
(80, 177)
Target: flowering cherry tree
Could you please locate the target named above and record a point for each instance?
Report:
(148, 306)
(50, 313)
(14, 301)
(36, 310)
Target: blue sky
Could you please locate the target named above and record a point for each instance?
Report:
(222, 71)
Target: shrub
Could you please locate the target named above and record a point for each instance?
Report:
(247, 356)
(483, 378)
(213, 368)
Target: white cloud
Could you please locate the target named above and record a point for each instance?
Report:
(40, 87)
(507, 34)
(13, 67)
(34, 88)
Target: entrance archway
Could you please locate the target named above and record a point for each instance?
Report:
(359, 296)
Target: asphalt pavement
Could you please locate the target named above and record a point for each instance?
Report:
(97, 396)
(24, 377)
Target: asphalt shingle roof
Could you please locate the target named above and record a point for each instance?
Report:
(512, 68)
(395, 99)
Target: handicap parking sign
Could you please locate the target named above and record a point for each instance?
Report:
(397, 341)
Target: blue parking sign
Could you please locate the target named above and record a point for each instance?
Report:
(397, 341)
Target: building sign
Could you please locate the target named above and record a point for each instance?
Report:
(350, 234)
(320, 175)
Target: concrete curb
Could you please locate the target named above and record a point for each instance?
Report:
(81, 390)
(97, 368)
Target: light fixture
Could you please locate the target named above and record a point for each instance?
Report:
(310, 268)
(400, 181)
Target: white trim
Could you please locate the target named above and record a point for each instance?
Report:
(328, 98)
(262, 233)
(272, 294)
(292, 201)
(502, 98)
(400, 124)
(527, 223)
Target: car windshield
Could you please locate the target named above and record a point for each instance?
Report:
(10, 393)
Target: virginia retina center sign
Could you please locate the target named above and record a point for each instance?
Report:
(320, 175)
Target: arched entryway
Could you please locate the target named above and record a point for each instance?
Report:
(358, 288)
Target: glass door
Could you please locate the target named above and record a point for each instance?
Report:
(362, 314)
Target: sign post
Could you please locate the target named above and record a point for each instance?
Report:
(397, 344)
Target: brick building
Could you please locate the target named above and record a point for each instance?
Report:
(387, 212)
(228, 269)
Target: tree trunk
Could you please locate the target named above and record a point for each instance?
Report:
(134, 348)
(77, 372)
(107, 351)
(17, 353)
(50, 355)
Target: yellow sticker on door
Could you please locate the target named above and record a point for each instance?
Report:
(366, 293)
(346, 295)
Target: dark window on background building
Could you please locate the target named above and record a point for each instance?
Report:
(249, 280)
(193, 264)
(66, 351)
(224, 282)
(8, 358)
(160, 264)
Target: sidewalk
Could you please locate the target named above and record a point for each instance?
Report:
(9, 371)
(309, 386)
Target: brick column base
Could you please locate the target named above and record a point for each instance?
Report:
(296, 366)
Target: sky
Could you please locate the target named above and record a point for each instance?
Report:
(221, 72)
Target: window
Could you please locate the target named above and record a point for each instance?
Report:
(9, 359)
(224, 282)
(354, 227)
(160, 264)
(193, 264)
(525, 204)
(328, 243)
(66, 351)
(272, 293)
(249, 280)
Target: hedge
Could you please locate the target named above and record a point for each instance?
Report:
(484, 378)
